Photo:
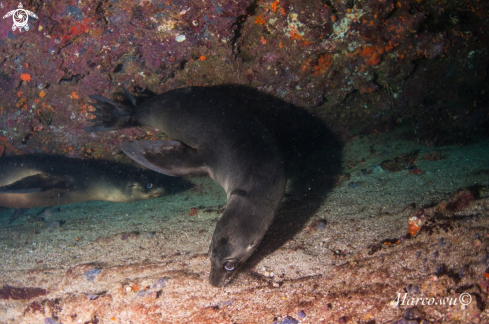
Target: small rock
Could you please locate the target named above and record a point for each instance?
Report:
(301, 314)
(413, 289)
(180, 38)
(376, 169)
(92, 296)
(344, 319)
(414, 313)
(53, 224)
(49, 320)
(353, 185)
(476, 243)
(160, 283)
(90, 275)
(321, 224)
(289, 320)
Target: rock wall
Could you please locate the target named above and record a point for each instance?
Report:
(362, 66)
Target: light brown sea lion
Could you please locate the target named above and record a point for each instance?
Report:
(30, 181)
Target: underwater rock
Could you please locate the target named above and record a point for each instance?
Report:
(401, 162)
(350, 64)
(353, 185)
(25, 293)
(90, 275)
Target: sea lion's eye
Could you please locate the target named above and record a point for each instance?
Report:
(149, 185)
(229, 266)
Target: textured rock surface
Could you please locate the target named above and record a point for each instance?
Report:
(346, 258)
(362, 66)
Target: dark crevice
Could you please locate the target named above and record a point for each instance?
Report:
(71, 79)
(238, 26)
(334, 11)
(118, 68)
(27, 138)
(181, 66)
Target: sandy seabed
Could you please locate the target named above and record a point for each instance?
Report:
(349, 261)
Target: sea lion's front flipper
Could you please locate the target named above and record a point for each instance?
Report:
(36, 183)
(172, 158)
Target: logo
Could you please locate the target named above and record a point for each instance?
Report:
(20, 17)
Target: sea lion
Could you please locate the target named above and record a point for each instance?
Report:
(30, 181)
(212, 134)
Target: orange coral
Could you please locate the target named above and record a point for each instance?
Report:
(259, 20)
(415, 222)
(294, 34)
(25, 77)
(324, 62)
(274, 5)
(22, 103)
(372, 87)
(306, 65)
(42, 94)
(372, 54)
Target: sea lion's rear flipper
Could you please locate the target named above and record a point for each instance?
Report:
(37, 183)
(110, 115)
(172, 158)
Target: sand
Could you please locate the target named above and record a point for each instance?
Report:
(340, 256)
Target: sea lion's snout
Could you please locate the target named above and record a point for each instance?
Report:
(227, 254)
(223, 263)
(221, 273)
(156, 192)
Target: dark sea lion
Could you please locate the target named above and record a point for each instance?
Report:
(30, 181)
(212, 134)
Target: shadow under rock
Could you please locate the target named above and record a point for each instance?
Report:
(313, 155)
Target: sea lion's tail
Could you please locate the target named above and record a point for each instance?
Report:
(110, 115)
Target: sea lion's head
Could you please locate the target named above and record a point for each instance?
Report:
(237, 235)
(144, 189)
(131, 190)
(150, 189)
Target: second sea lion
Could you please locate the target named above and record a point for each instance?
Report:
(39, 180)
